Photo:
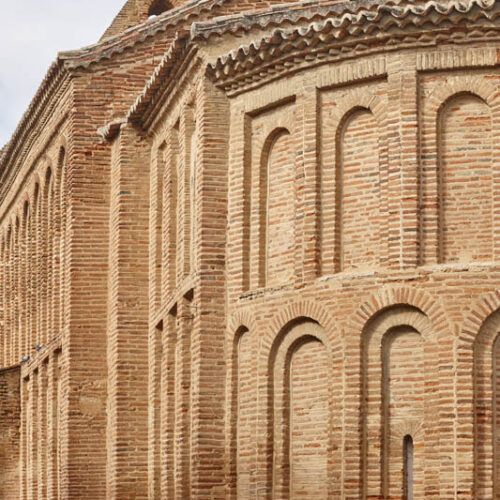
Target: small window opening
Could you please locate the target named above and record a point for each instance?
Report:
(158, 7)
(408, 467)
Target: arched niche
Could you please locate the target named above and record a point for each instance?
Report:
(193, 165)
(172, 207)
(44, 270)
(300, 420)
(486, 372)
(277, 208)
(358, 219)
(157, 188)
(243, 407)
(465, 180)
(399, 360)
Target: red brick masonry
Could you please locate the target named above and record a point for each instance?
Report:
(251, 250)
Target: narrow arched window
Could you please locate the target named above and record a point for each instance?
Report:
(408, 467)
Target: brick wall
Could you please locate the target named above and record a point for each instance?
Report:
(267, 288)
(10, 432)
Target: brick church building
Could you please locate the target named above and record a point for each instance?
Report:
(250, 250)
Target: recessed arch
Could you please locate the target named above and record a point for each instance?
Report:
(48, 175)
(61, 161)
(277, 207)
(486, 402)
(26, 208)
(299, 350)
(173, 203)
(357, 182)
(192, 182)
(243, 402)
(465, 153)
(394, 399)
(62, 222)
(239, 324)
(36, 193)
(24, 246)
(159, 161)
(431, 220)
(333, 123)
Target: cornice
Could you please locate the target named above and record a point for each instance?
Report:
(340, 30)
(39, 112)
(367, 31)
(280, 15)
(186, 42)
(169, 20)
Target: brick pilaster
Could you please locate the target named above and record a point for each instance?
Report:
(207, 347)
(128, 318)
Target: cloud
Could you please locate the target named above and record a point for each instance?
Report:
(32, 34)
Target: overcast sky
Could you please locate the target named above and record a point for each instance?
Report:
(32, 33)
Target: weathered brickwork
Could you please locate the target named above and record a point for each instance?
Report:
(253, 251)
(10, 427)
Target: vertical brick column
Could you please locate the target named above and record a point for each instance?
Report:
(238, 249)
(307, 256)
(207, 346)
(183, 387)
(402, 137)
(496, 179)
(85, 302)
(167, 411)
(154, 412)
(53, 431)
(128, 318)
(33, 437)
(10, 424)
(41, 422)
(24, 440)
(3, 292)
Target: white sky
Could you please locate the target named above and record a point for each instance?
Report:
(32, 33)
